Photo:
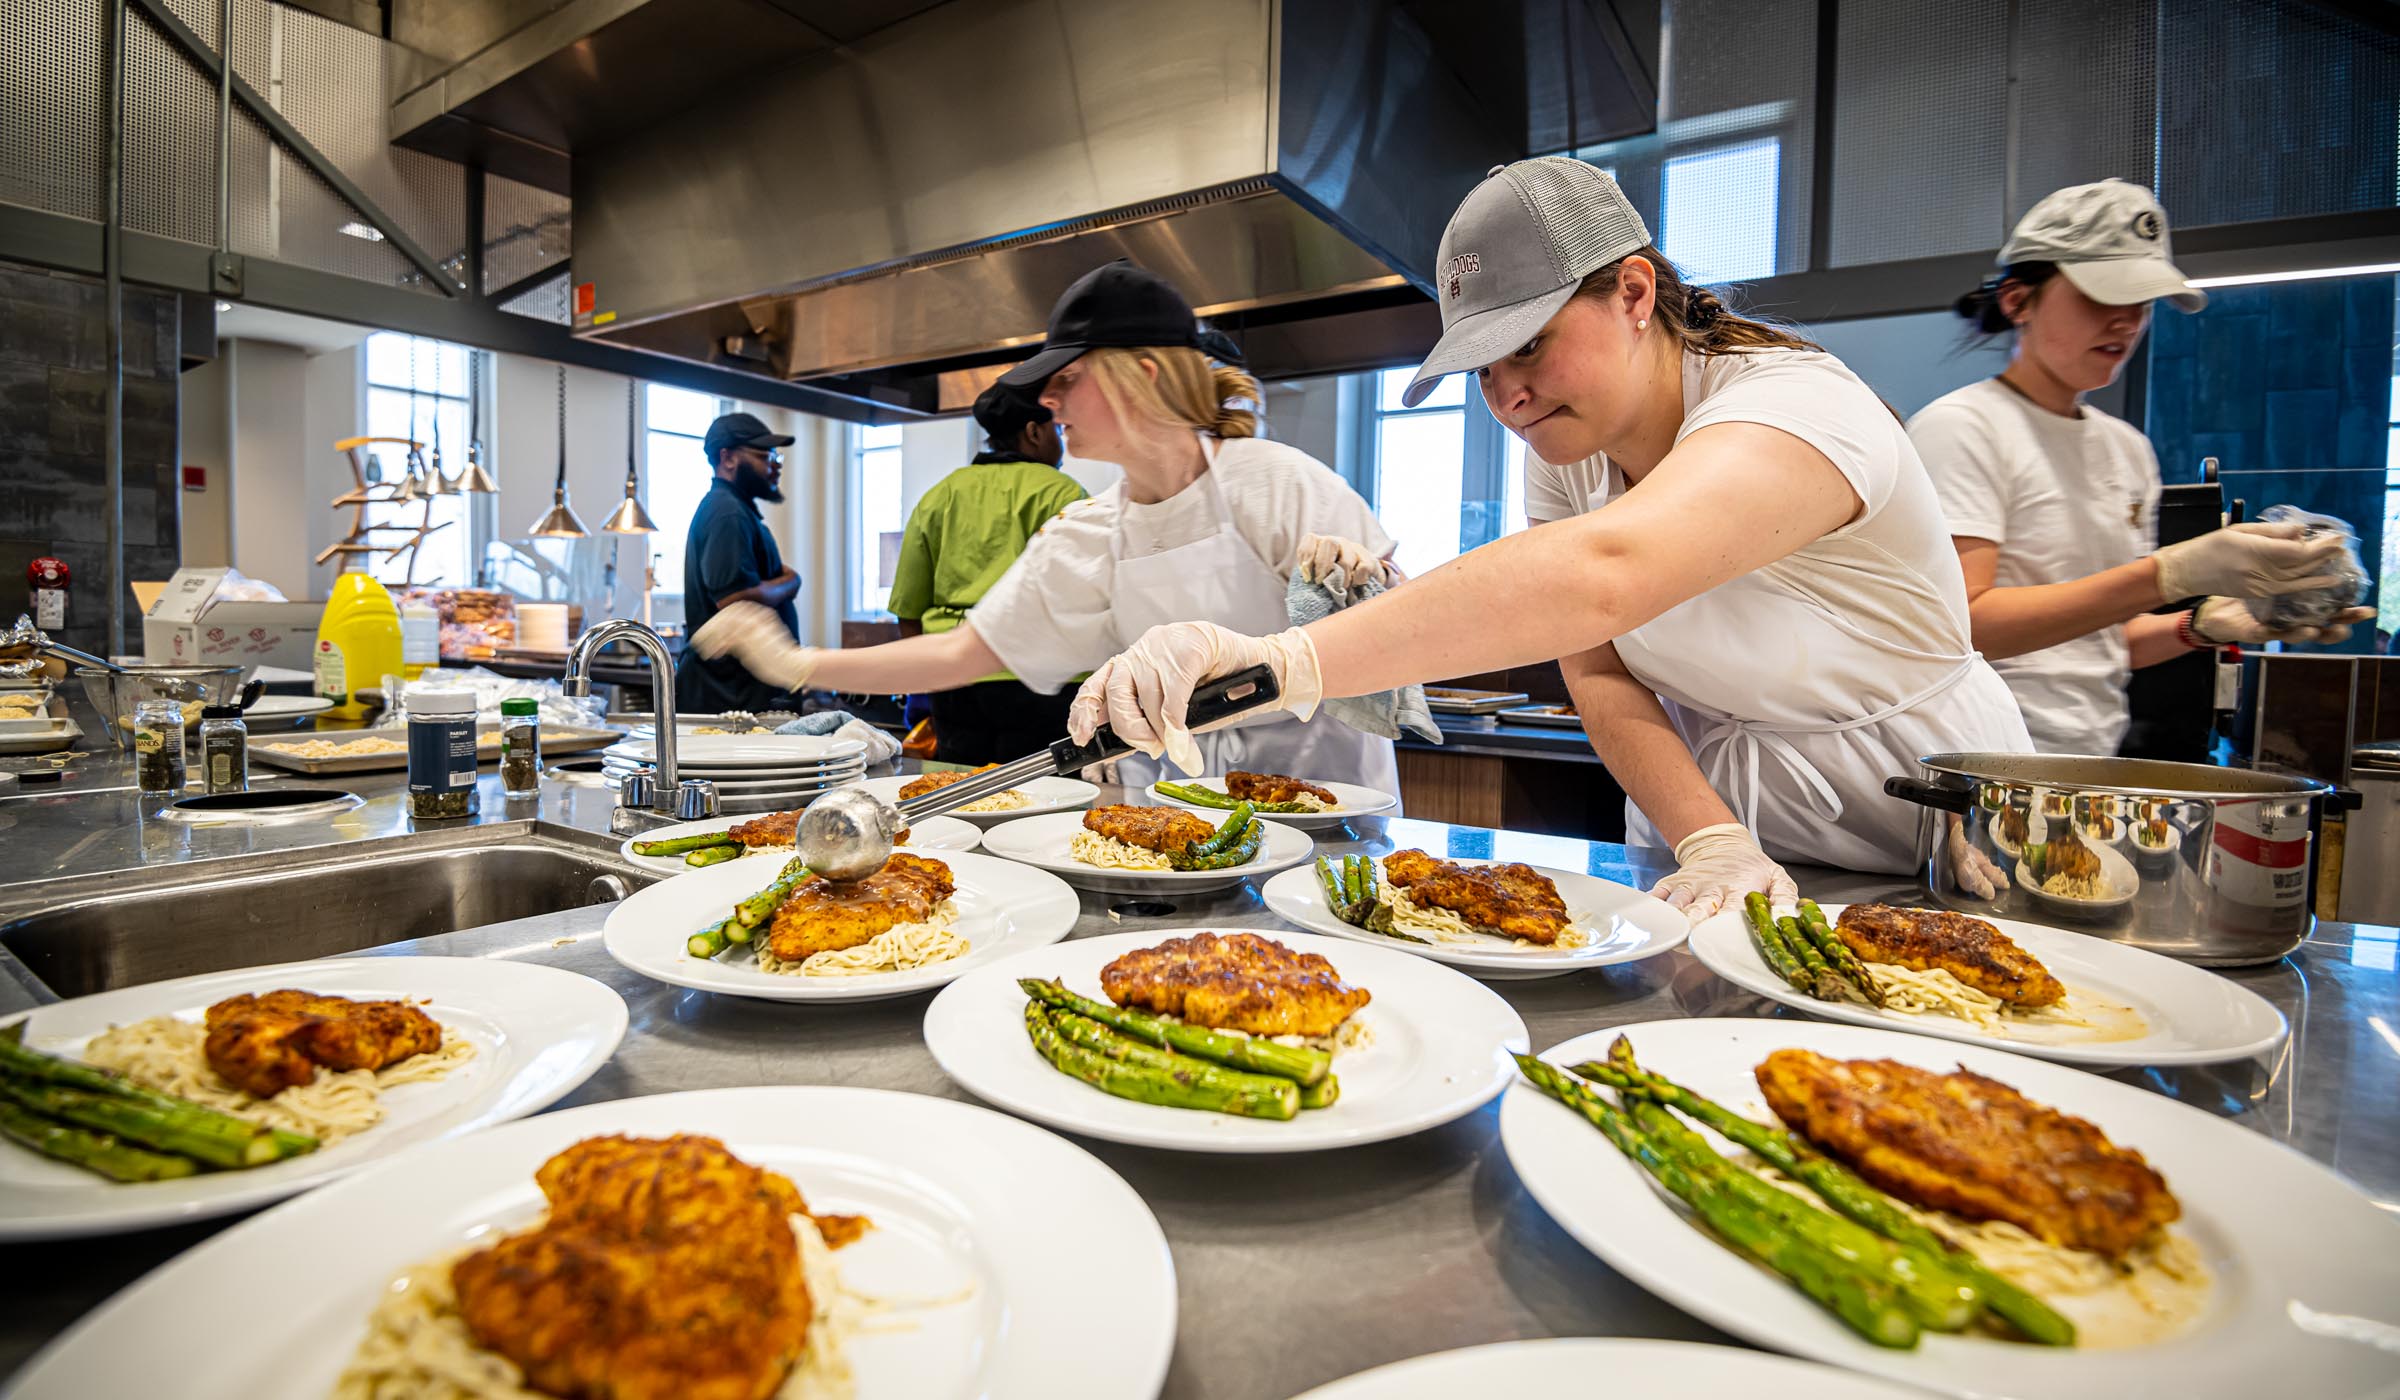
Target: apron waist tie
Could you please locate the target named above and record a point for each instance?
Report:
(1746, 745)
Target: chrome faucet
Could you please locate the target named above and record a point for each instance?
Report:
(664, 788)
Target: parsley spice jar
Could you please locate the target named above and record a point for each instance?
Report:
(441, 753)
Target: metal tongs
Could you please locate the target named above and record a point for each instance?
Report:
(26, 647)
(848, 833)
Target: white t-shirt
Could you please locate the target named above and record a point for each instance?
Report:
(1048, 616)
(1803, 685)
(2064, 498)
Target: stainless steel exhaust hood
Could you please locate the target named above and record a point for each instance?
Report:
(891, 217)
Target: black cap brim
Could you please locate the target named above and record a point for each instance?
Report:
(1036, 372)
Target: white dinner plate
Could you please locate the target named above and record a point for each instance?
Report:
(931, 834)
(278, 711)
(748, 750)
(2195, 1017)
(966, 1204)
(1046, 844)
(1573, 1368)
(768, 787)
(1048, 794)
(1355, 801)
(617, 761)
(538, 1032)
(1438, 1052)
(1623, 925)
(1003, 908)
(2306, 1298)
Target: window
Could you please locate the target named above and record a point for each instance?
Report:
(1718, 220)
(417, 389)
(876, 519)
(1444, 476)
(2388, 596)
(676, 472)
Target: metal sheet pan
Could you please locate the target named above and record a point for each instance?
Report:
(556, 739)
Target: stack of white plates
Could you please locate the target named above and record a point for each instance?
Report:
(753, 773)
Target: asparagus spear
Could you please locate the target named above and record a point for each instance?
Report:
(1241, 852)
(1823, 982)
(210, 1138)
(1839, 1188)
(753, 911)
(1936, 1296)
(1228, 832)
(1267, 1092)
(1783, 960)
(678, 845)
(1299, 1063)
(713, 855)
(1866, 1304)
(1837, 954)
(1142, 1084)
(97, 1152)
(1323, 1093)
(19, 1065)
(1198, 796)
(710, 941)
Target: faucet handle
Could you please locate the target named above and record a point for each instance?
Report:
(636, 790)
(695, 799)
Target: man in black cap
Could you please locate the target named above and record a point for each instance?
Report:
(965, 533)
(729, 557)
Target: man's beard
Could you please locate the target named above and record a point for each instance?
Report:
(755, 484)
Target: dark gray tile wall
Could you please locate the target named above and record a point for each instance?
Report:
(53, 425)
(2289, 387)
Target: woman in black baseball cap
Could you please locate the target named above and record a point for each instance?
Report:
(1209, 523)
(1744, 575)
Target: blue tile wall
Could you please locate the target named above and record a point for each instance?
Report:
(2288, 386)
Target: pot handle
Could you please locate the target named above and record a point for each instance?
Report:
(1942, 797)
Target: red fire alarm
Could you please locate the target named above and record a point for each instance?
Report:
(586, 296)
(195, 478)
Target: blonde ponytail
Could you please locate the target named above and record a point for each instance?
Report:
(1190, 390)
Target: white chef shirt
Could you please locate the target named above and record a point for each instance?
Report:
(1048, 617)
(2064, 498)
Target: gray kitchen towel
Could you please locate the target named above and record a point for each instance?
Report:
(1385, 713)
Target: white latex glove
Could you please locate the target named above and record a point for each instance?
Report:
(1142, 692)
(2222, 620)
(755, 635)
(1975, 872)
(1322, 554)
(1716, 866)
(2253, 560)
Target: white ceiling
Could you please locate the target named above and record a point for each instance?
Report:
(317, 337)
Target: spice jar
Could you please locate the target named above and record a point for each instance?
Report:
(158, 746)
(224, 749)
(520, 748)
(441, 753)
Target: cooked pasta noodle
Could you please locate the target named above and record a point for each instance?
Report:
(2066, 886)
(418, 1347)
(167, 1054)
(896, 949)
(1934, 992)
(1009, 801)
(1447, 926)
(1109, 853)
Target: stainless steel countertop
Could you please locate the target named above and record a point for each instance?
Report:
(1293, 1271)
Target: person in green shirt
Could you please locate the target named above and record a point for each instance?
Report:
(962, 537)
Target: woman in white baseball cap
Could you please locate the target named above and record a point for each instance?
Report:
(2053, 504)
(1744, 573)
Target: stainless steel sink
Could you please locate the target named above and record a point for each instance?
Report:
(90, 935)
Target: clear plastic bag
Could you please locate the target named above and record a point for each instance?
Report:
(2319, 606)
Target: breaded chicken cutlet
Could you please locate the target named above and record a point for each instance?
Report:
(1517, 901)
(1974, 952)
(1235, 981)
(822, 916)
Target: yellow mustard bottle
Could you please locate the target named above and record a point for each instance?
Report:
(358, 643)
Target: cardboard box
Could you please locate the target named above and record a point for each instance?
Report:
(186, 627)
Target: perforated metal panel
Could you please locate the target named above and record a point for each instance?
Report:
(1920, 129)
(2271, 109)
(51, 105)
(524, 230)
(546, 301)
(2087, 96)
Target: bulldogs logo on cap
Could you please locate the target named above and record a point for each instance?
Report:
(1461, 266)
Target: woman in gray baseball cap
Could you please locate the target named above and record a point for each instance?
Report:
(2053, 505)
(1743, 571)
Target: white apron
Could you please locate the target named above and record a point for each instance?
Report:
(1221, 579)
(1810, 787)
